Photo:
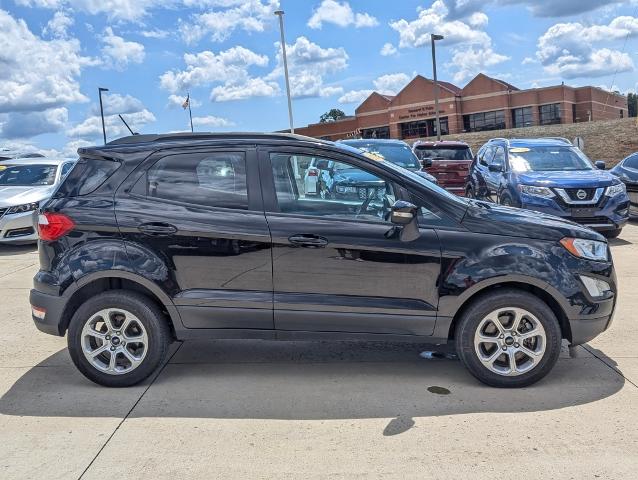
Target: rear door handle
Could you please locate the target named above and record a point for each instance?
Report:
(157, 229)
(308, 240)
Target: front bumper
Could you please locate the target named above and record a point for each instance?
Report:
(54, 306)
(18, 228)
(609, 214)
(584, 330)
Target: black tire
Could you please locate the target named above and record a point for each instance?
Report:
(612, 233)
(506, 201)
(149, 315)
(507, 298)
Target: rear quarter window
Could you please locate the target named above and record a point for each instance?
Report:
(86, 177)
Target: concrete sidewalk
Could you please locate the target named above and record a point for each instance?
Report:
(255, 409)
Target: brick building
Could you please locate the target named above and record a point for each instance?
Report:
(485, 103)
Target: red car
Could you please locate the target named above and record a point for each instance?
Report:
(448, 161)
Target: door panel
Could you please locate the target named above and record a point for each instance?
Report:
(359, 276)
(218, 260)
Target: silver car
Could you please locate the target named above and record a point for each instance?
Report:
(24, 184)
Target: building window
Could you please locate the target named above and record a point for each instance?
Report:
(423, 128)
(573, 112)
(522, 117)
(377, 132)
(622, 113)
(549, 114)
(478, 122)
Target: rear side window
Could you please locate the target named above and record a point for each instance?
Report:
(87, 176)
(632, 162)
(209, 179)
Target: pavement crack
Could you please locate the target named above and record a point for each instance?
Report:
(159, 372)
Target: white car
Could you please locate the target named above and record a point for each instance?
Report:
(25, 183)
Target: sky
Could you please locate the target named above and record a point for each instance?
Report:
(54, 54)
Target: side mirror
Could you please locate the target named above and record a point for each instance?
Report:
(426, 162)
(402, 212)
(495, 167)
(600, 165)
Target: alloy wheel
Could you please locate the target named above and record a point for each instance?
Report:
(114, 341)
(510, 341)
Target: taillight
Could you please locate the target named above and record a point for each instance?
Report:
(52, 226)
(313, 173)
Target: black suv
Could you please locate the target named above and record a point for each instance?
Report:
(154, 238)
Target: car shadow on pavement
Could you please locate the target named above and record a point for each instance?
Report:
(619, 242)
(9, 250)
(306, 381)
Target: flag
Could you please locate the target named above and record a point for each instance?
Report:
(187, 102)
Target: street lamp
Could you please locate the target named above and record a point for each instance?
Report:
(100, 90)
(434, 38)
(280, 14)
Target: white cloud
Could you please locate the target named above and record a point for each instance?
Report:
(308, 64)
(251, 87)
(116, 9)
(472, 49)
(155, 33)
(70, 150)
(340, 14)
(388, 49)
(58, 26)
(37, 74)
(131, 108)
(208, 68)
(572, 49)
(30, 124)
(389, 84)
(355, 96)
(249, 16)
(211, 121)
(118, 53)
(178, 101)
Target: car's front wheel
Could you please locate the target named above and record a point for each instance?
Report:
(508, 338)
(118, 338)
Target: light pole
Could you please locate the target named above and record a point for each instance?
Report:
(434, 38)
(280, 14)
(100, 90)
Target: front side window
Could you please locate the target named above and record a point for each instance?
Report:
(499, 157)
(27, 175)
(210, 179)
(342, 191)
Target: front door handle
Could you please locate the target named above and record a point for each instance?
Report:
(308, 240)
(157, 229)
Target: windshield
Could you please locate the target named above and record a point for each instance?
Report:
(400, 155)
(462, 153)
(548, 159)
(27, 175)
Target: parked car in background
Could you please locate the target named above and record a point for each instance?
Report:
(395, 151)
(133, 255)
(448, 161)
(11, 154)
(627, 171)
(25, 183)
(552, 176)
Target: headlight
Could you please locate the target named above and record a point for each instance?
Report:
(27, 207)
(616, 190)
(536, 191)
(587, 249)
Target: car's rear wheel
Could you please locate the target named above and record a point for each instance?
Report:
(612, 233)
(118, 338)
(508, 338)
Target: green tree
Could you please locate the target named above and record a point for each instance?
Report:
(632, 104)
(332, 116)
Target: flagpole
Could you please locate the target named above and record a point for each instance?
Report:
(190, 114)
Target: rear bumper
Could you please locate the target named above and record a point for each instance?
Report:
(53, 305)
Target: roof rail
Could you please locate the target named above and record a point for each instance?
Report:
(499, 139)
(148, 138)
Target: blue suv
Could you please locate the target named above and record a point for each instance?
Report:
(552, 176)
